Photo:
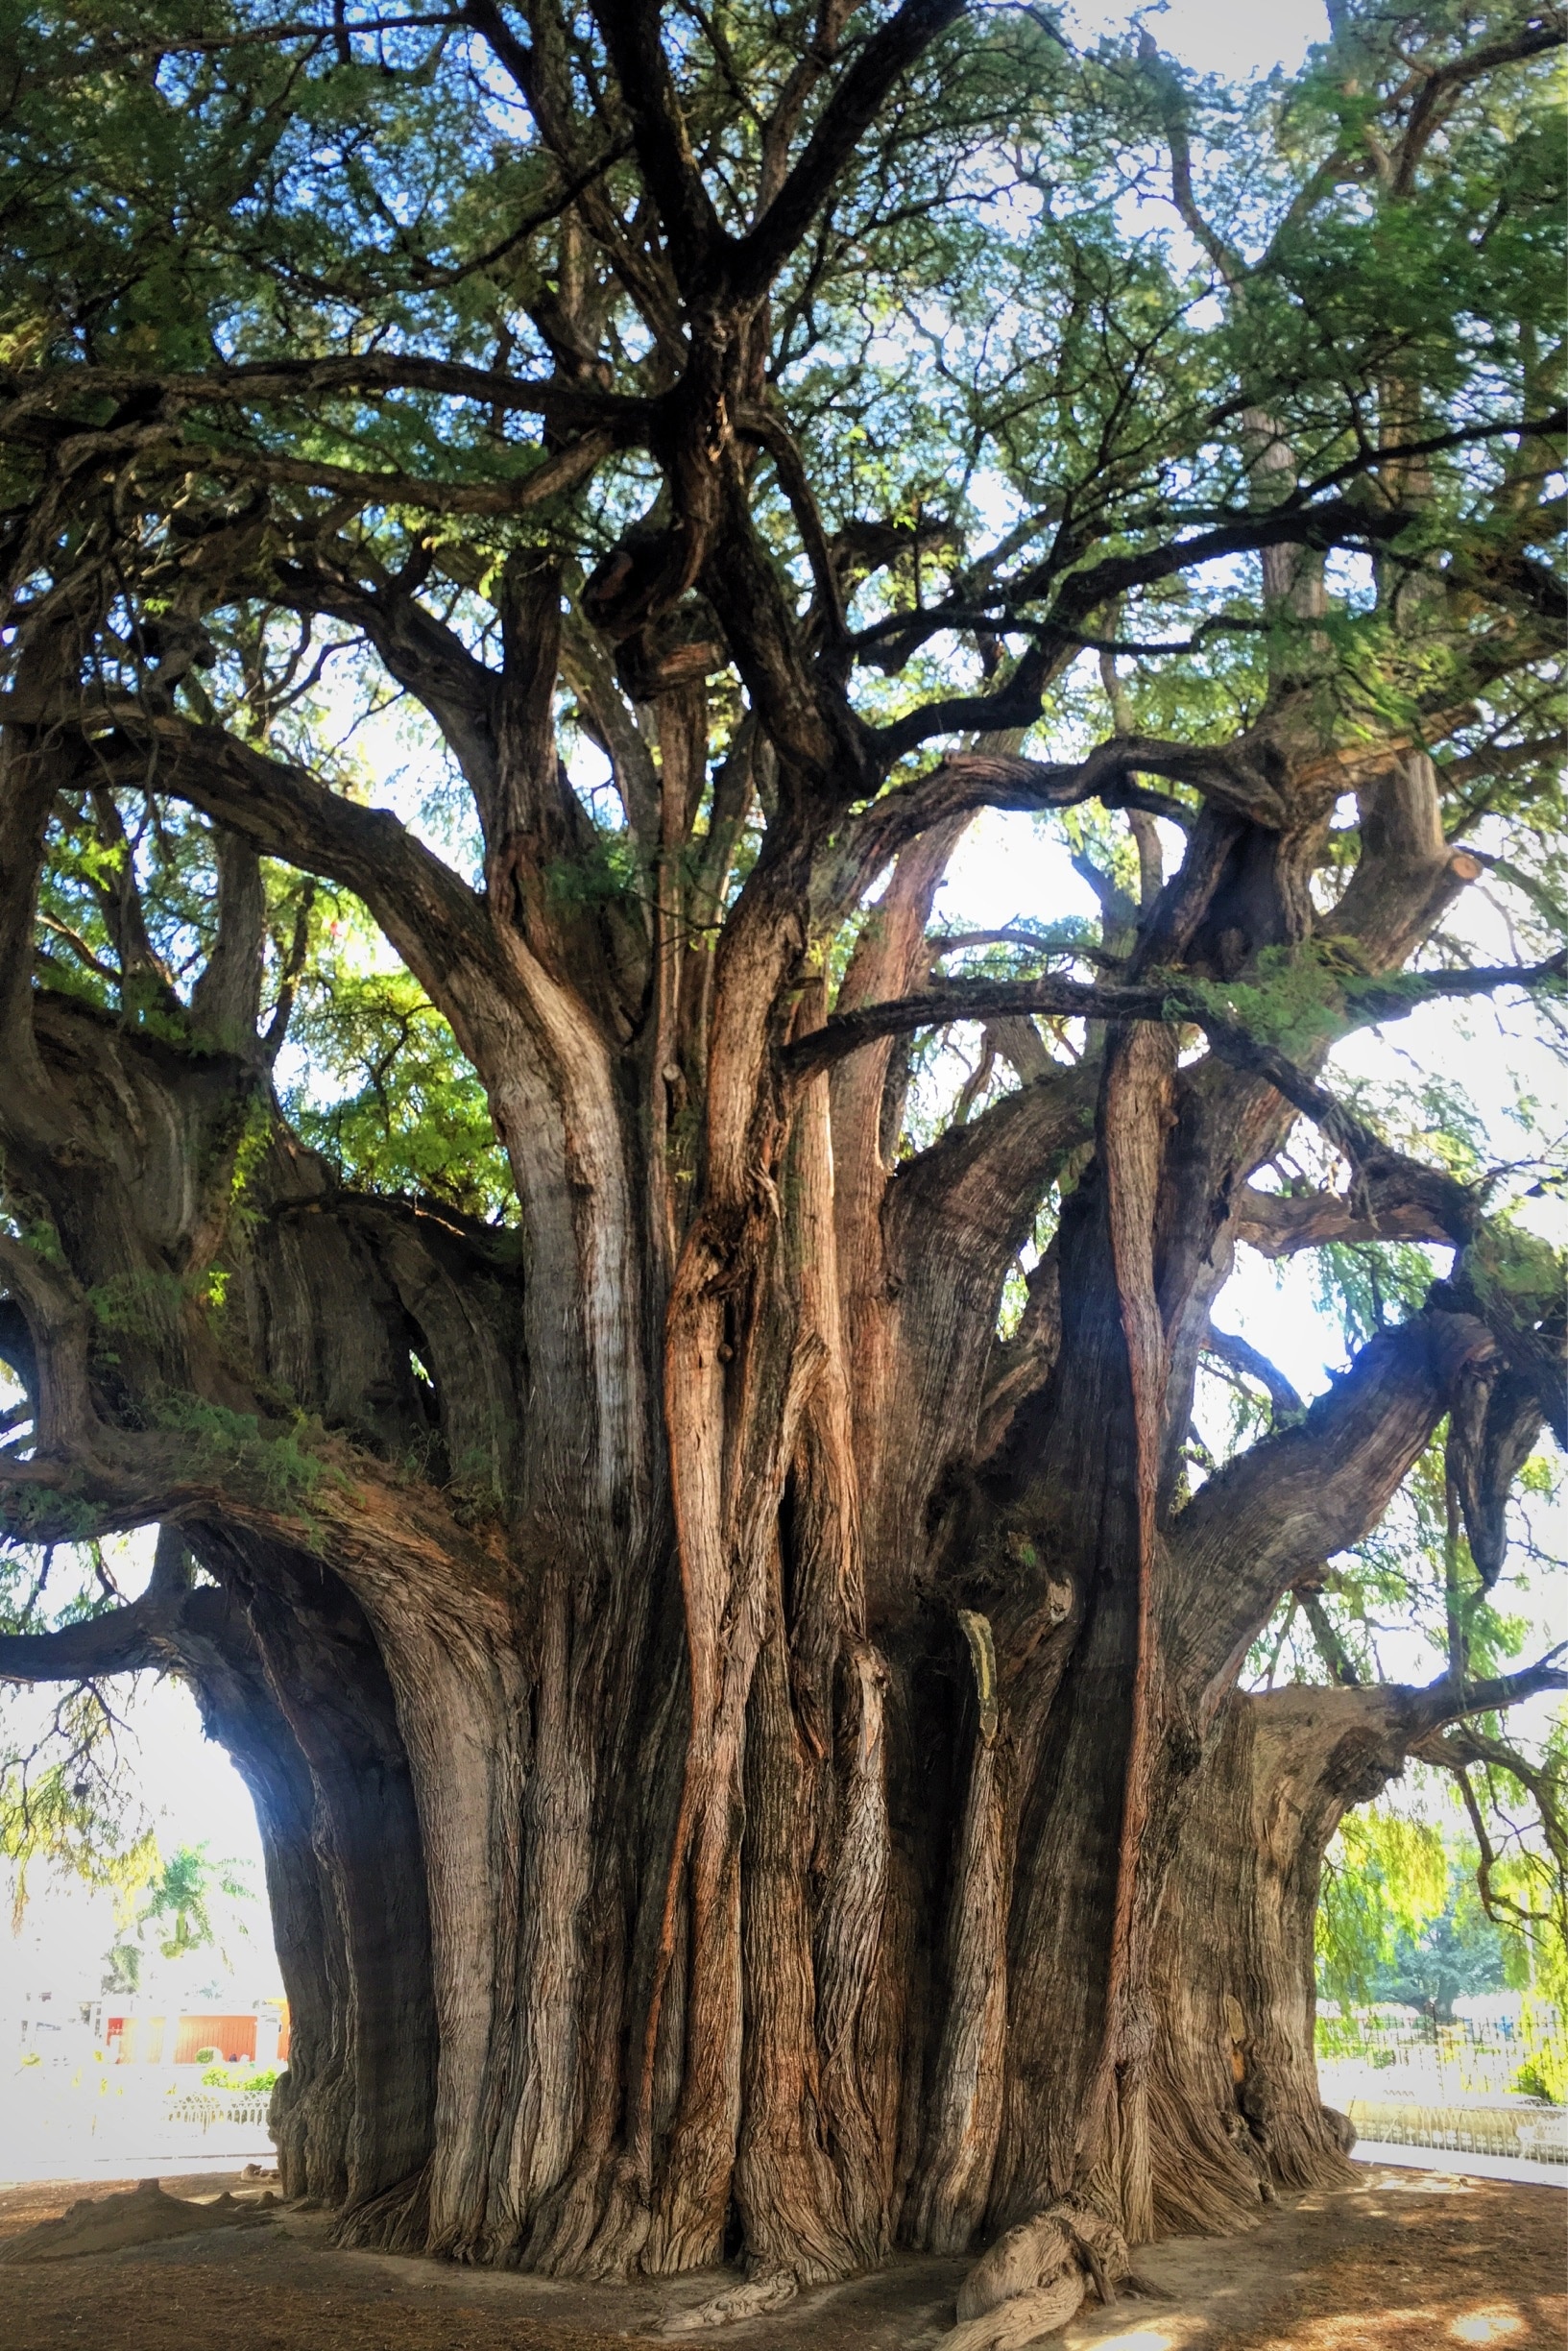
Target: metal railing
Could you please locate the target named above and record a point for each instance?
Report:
(207, 2107)
(1475, 2085)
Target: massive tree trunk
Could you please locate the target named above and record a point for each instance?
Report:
(750, 1759)
(871, 1848)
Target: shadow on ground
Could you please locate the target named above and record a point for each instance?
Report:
(1403, 2260)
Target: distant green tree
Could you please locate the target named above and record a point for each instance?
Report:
(1461, 1952)
(1385, 1880)
(182, 1908)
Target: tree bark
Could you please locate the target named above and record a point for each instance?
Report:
(877, 1854)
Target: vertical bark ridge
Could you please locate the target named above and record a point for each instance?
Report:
(370, 2108)
(1137, 1112)
(837, 1681)
(1234, 2099)
(947, 2197)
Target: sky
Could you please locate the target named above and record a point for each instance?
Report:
(189, 1790)
(186, 1791)
(1218, 36)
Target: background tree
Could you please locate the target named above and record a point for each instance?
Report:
(740, 1678)
(179, 1907)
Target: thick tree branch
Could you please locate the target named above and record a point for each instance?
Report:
(562, 470)
(1176, 1001)
(38, 397)
(693, 230)
(975, 1189)
(1363, 1734)
(1278, 1224)
(1168, 93)
(1460, 1745)
(1494, 1423)
(1318, 526)
(1531, 1336)
(805, 717)
(974, 780)
(1296, 1497)
(756, 259)
(38, 758)
(119, 902)
(1231, 778)
(1441, 84)
(123, 1641)
(1449, 1700)
(55, 1311)
(427, 657)
(1330, 1647)
(774, 435)
(1227, 1349)
(226, 1000)
(433, 917)
(543, 77)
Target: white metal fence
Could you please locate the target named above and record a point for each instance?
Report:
(1481, 2084)
(62, 2122)
(208, 2109)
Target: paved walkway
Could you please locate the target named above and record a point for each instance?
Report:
(1460, 2167)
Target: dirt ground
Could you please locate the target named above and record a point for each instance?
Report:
(1404, 2260)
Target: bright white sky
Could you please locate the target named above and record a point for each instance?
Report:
(1218, 37)
(1004, 869)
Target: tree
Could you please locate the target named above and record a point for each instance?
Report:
(178, 1907)
(1460, 1953)
(740, 1685)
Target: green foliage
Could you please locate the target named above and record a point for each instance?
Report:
(63, 1804)
(610, 871)
(254, 2079)
(188, 1902)
(279, 1467)
(1385, 1880)
(69, 1815)
(178, 1908)
(1457, 1954)
(1544, 2072)
(1522, 1802)
(1513, 1273)
(138, 1304)
(1298, 1000)
(389, 1097)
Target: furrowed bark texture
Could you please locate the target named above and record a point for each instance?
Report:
(749, 1757)
(822, 1842)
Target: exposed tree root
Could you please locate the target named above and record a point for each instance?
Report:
(1033, 2279)
(395, 2222)
(1024, 2318)
(768, 2292)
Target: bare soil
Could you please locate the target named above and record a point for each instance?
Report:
(1403, 2260)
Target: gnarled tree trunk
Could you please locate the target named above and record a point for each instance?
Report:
(881, 1851)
